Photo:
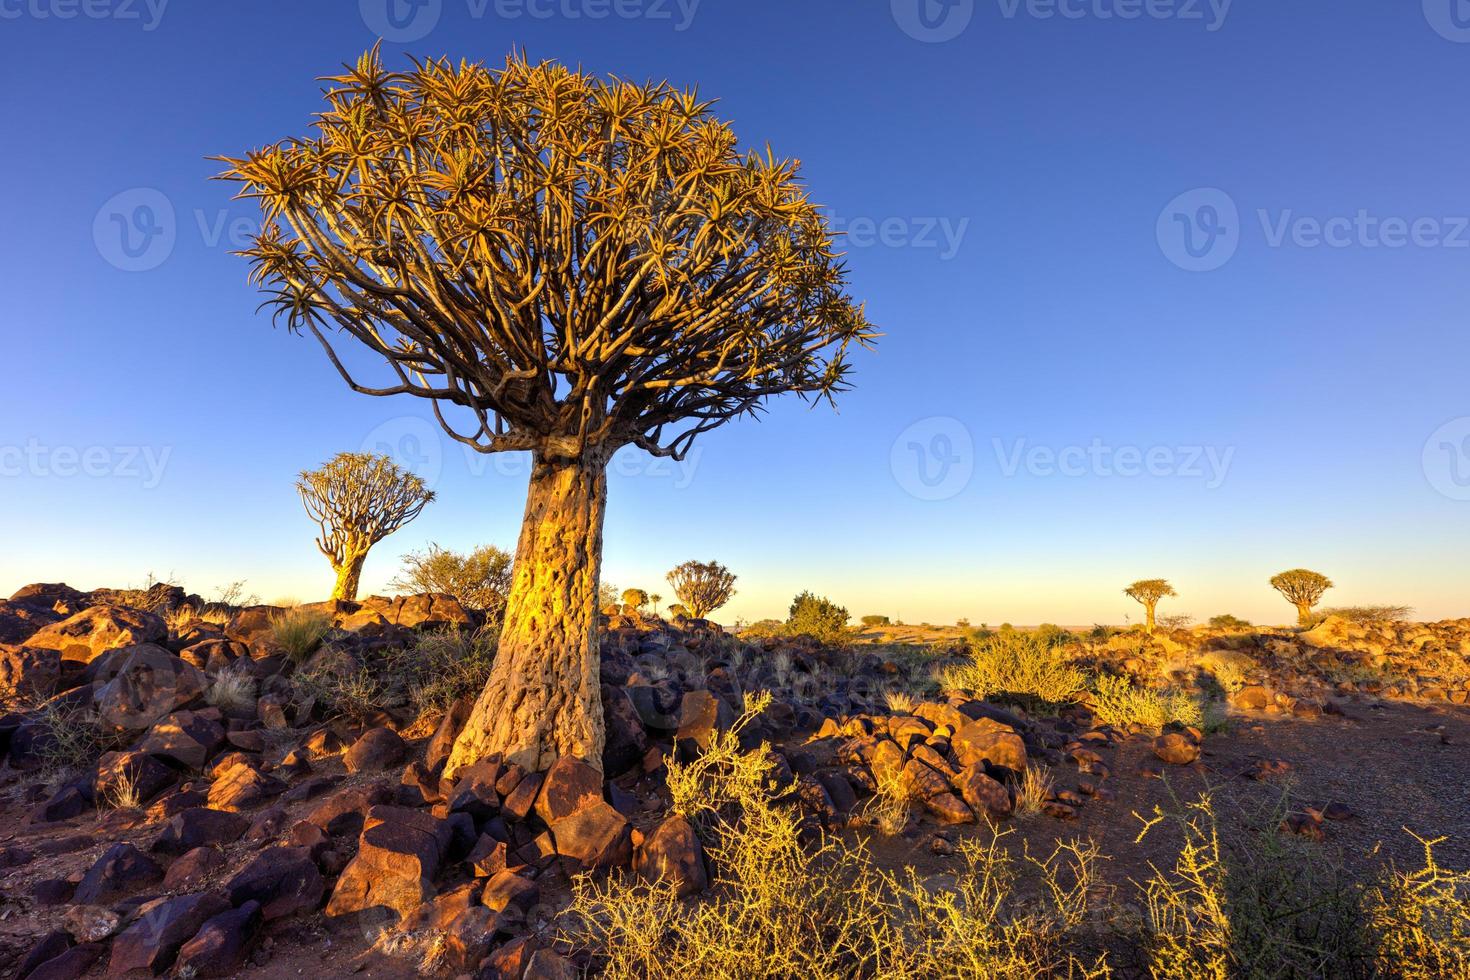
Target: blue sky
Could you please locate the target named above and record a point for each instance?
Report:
(1173, 294)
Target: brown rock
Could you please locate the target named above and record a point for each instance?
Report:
(241, 786)
(98, 629)
(284, 880)
(982, 793)
(221, 945)
(449, 728)
(673, 853)
(200, 828)
(120, 870)
(146, 684)
(596, 836)
(378, 748)
(569, 785)
(28, 672)
(1176, 748)
(162, 926)
(187, 737)
(193, 868)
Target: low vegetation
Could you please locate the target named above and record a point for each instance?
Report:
(1019, 666)
(478, 580)
(299, 632)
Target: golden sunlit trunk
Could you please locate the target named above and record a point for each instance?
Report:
(1304, 614)
(1148, 626)
(543, 700)
(349, 577)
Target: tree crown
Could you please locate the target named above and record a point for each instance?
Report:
(702, 586)
(1150, 590)
(1301, 585)
(358, 499)
(571, 261)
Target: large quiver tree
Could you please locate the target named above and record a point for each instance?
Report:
(1303, 588)
(561, 264)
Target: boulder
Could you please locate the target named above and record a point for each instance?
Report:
(152, 942)
(378, 748)
(393, 872)
(96, 630)
(569, 785)
(20, 621)
(988, 741)
(73, 963)
(193, 868)
(981, 793)
(28, 672)
(284, 880)
(594, 837)
(188, 738)
(200, 827)
(240, 786)
(135, 775)
(672, 853)
(146, 684)
(90, 923)
(120, 870)
(701, 714)
(221, 945)
(1176, 748)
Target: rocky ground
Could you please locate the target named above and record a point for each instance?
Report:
(187, 796)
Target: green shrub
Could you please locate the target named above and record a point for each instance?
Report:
(1366, 614)
(1117, 701)
(817, 617)
(1017, 664)
(875, 621)
(1225, 621)
(1052, 635)
(479, 580)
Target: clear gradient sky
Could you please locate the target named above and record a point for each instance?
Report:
(1282, 346)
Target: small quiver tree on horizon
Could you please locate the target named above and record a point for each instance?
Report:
(562, 264)
(1302, 588)
(701, 586)
(1148, 592)
(358, 499)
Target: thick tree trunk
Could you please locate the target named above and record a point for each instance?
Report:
(1304, 614)
(1149, 625)
(543, 699)
(349, 575)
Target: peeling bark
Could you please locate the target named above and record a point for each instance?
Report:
(543, 699)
